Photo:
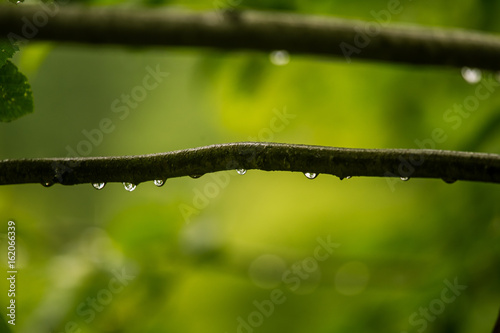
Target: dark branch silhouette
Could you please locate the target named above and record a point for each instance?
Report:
(496, 329)
(251, 30)
(342, 162)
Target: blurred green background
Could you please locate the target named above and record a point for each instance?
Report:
(197, 255)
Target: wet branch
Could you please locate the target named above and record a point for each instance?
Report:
(251, 30)
(342, 162)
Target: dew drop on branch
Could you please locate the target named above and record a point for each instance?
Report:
(129, 186)
(348, 177)
(471, 75)
(241, 171)
(310, 175)
(159, 182)
(98, 186)
(47, 184)
(405, 178)
(195, 176)
(279, 57)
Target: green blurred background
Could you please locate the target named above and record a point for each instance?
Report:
(200, 253)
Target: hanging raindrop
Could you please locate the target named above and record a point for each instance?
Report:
(241, 171)
(310, 175)
(129, 186)
(47, 184)
(98, 186)
(348, 177)
(159, 182)
(195, 176)
(471, 75)
(279, 57)
(449, 180)
(405, 179)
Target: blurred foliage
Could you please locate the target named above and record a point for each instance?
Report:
(16, 98)
(7, 50)
(115, 261)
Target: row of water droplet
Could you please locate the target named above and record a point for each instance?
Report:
(160, 182)
(312, 175)
(129, 186)
(470, 75)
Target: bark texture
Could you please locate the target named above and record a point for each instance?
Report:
(342, 162)
(251, 30)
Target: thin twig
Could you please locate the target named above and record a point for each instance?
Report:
(342, 162)
(251, 30)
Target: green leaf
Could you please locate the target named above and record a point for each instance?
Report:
(7, 50)
(16, 98)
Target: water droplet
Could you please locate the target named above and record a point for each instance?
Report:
(405, 179)
(471, 75)
(279, 57)
(159, 182)
(195, 176)
(449, 180)
(47, 184)
(241, 171)
(98, 186)
(129, 186)
(348, 177)
(310, 175)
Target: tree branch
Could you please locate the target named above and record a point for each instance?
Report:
(263, 31)
(342, 162)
